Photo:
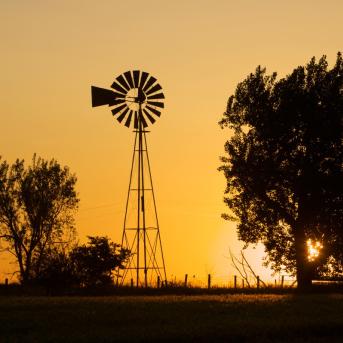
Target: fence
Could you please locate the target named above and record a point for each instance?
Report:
(221, 281)
(215, 281)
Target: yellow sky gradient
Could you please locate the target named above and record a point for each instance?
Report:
(53, 51)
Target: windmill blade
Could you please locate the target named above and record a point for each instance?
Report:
(118, 109)
(156, 96)
(122, 115)
(152, 119)
(149, 83)
(123, 82)
(136, 120)
(143, 79)
(142, 119)
(154, 89)
(118, 88)
(136, 78)
(157, 104)
(102, 96)
(128, 77)
(128, 120)
(153, 110)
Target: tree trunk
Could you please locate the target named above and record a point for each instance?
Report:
(304, 275)
(27, 269)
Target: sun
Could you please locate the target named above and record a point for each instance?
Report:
(313, 249)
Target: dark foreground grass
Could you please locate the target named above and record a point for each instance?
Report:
(202, 318)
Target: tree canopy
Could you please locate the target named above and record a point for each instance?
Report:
(95, 262)
(87, 265)
(37, 204)
(284, 165)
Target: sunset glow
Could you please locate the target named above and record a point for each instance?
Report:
(313, 249)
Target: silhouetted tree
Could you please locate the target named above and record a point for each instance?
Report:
(284, 164)
(56, 271)
(95, 262)
(37, 204)
(87, 265)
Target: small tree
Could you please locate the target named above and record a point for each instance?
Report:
(243, 267)
(37, 204)
(56, 270)
(95, 262)
(284, 165)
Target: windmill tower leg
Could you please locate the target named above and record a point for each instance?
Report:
(162, 268)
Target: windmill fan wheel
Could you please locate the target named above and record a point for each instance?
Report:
(136, 98)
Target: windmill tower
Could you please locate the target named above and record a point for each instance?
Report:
(137, 100)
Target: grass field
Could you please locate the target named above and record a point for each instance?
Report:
(201, 318)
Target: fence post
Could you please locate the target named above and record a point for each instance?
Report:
(242, 283)
(209, 281)
(186, 278)
(258, 282)
(235, 281)
(6, 282)
(131, 283)
(282, 280)
(158, 281)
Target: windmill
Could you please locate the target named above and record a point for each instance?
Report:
(137, 101)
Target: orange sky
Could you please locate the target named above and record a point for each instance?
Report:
(52, 51)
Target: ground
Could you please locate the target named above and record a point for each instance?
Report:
(174, 318)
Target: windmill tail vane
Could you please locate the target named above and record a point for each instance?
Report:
(137, 99)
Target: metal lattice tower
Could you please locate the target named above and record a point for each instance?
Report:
(138, 99)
